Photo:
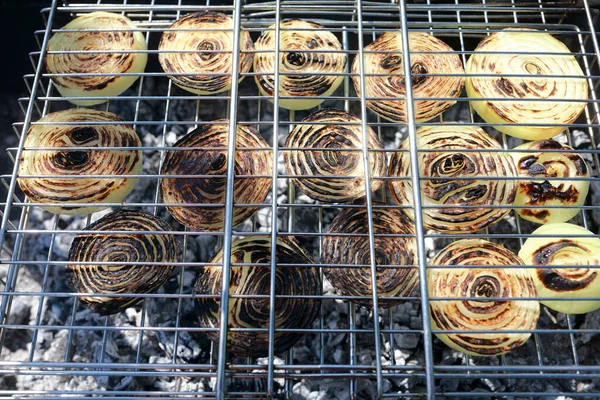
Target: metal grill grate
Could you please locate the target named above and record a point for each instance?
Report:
(351, 352)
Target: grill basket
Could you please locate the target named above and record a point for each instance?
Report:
(51, 345)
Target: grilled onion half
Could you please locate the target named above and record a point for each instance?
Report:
(581, 250)
(338, 136)
(397, 274)
(432, 59)
(549, 87)
(60, 159)
(546, 161)
(302, 65)
(251, 276)
(145, 244)
(455, 167)
(207, 157)
(485, 283)
(112, 35)
(208, 71)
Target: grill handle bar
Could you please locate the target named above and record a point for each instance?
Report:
(368, 200)
(416, 186)
(227, 237)
(274, 219)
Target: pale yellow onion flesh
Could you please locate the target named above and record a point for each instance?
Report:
(113, 35)
(62, 157)
(521, 92)
(496, 278)
(562, 250)
(445, 158)
(544, 160)
(209, 71)
(431, 56)
(299, 44)
(340, 133)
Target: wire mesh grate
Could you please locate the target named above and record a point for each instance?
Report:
(51, 345)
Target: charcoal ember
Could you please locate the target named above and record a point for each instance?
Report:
(181, 384)
(304, 353)
(112, 346)
(184, 346)
(595, 199)
(588, 346)
(302, 390)
(410, 383)
(493, 385)
(307, 217)
(401, 314)
(361, 315)
(199, 249)
(416, 322)
(277, 361)
(581, 140)
(248, 385)
(448, 385)
(408, 340)
(556, 347)
(23, 309)
(332, 390)
(567, 385)
(592, 324)
(263, 217)
(447, 356)
(365, 357)
(340, 356)
(8, 382)
(20, 313)
(370, 389)
(12, 381)
(52, 347)
(459, 112)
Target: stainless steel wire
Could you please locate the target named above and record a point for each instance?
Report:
(351, 349)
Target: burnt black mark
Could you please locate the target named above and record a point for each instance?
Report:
(539, 193)
(551, 278)
(507, 87)
(544, 254)
(83, 135)
(549, 145)
(454, 162)
(204, 17)
(498, 111)
(218, 162)
(417, 70)
(537, 169)
(540, 215)
(206, 45)
(71, 159)
(295, 58)
(392, 61)
(101, 85)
